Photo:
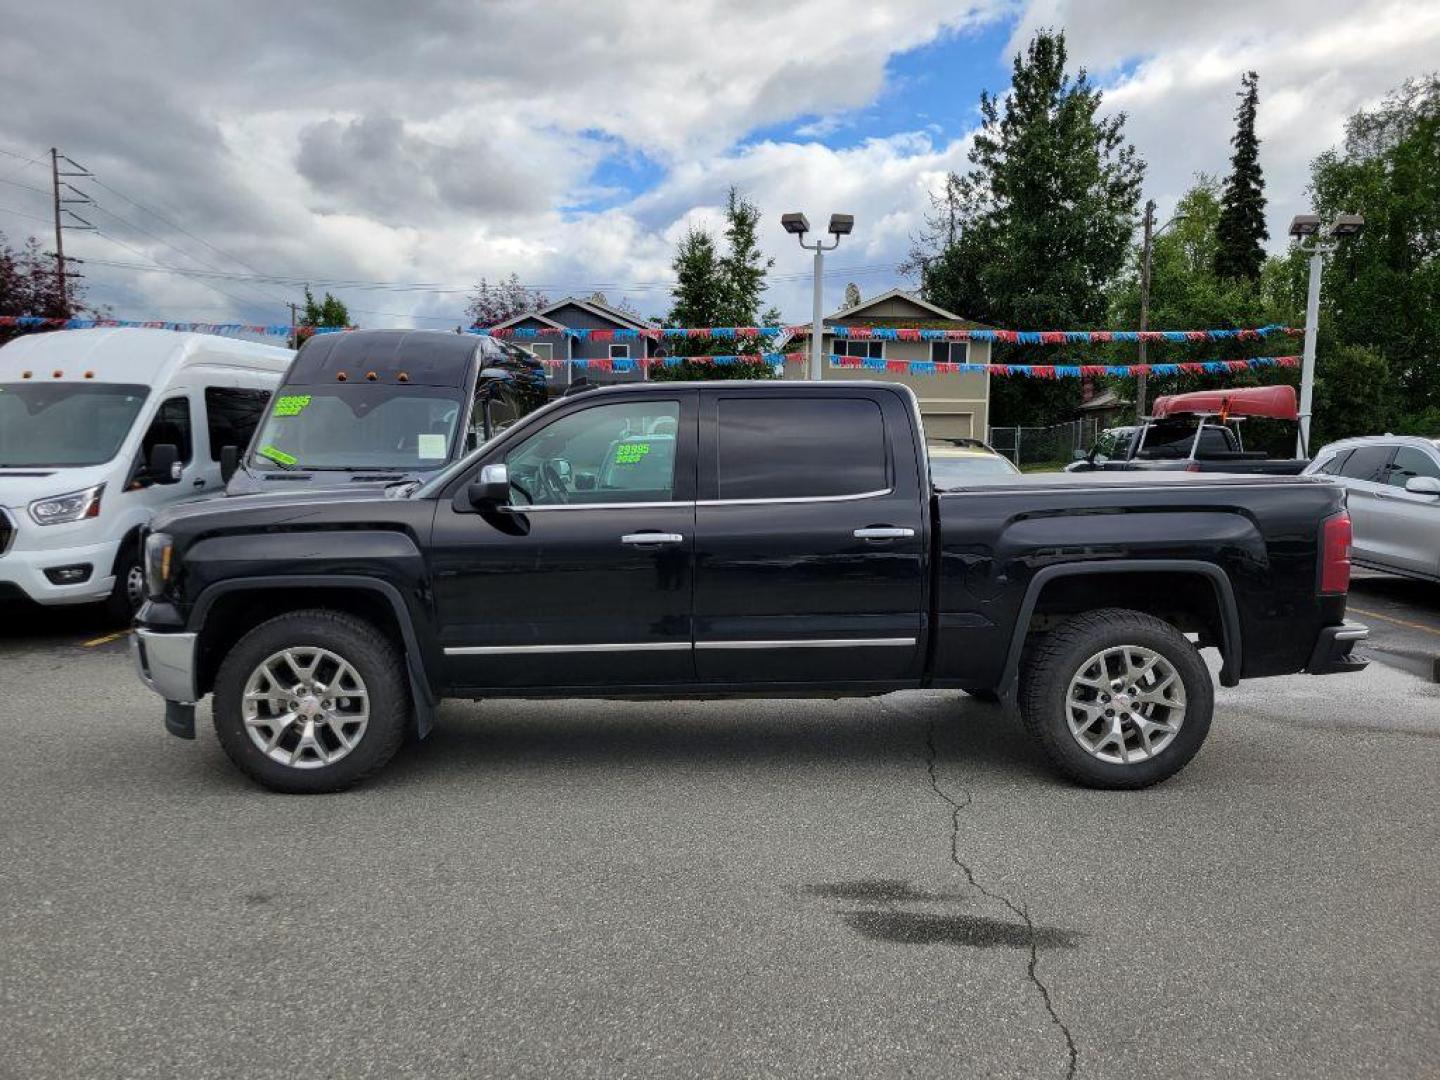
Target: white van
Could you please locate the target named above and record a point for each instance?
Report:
(88, 420)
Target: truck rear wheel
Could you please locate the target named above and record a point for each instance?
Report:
(311, 701)
(1116, 699)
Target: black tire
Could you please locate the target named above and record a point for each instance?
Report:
(373, 656)
(988, 696)
(1045, 683)
(124, 602)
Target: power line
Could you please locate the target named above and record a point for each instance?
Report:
(21, 213)
(137, 251)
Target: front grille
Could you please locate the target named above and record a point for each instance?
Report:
(7, 532)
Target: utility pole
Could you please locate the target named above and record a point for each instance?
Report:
(1146, 248)
(61, 272)
(59, 232)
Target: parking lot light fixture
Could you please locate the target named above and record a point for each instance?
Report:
(1346, 225)
(797, 225)
(1302, 225)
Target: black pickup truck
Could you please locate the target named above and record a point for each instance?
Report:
(761, 539)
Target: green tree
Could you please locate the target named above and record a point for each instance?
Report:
(1030, 237)
(1242, 233)
(490, 304)
(720, 289)
(1382, 288)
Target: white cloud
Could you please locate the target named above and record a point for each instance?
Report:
(442, 140)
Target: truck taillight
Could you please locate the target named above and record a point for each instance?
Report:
(1335, 536)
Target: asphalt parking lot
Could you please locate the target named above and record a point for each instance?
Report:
(863, 888)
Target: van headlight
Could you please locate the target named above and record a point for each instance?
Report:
(76, 506)
(158, 549)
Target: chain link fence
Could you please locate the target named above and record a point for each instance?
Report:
(1035, 448)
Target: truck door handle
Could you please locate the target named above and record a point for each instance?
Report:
(650, 539)
(884, 533)
(199, 483)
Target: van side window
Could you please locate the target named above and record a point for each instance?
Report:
(171, 425)
(232, 414)
(795, 447)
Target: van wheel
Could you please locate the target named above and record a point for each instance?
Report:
(1116, 699)
(311, 701)
(128, 592)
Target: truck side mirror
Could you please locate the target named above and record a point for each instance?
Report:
(491, 490)
(164, 465)
(1423, 485)
(229, 462)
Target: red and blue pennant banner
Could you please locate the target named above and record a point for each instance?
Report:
(1054, 371)
(36, 322)
(883, 333)
(925, 367)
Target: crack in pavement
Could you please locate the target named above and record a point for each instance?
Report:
(1022, 911)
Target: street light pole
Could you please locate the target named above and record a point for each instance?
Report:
(1312, 331)
(1306, 227)
(797, 225)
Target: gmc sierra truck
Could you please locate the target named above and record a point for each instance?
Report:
(755, 539)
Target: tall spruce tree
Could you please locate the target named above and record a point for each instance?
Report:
(1242, 233)
(1031, 236)
(743, 267)
(699, 292)
(714, 289)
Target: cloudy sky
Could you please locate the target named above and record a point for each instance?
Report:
(411, 148)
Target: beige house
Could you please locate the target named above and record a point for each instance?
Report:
(954, 405)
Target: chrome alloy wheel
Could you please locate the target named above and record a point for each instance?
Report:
(305, 707)
(1125, 704)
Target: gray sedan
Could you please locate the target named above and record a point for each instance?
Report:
(1393, 483)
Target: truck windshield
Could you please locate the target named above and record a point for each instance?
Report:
(58, 425)
(359, 426)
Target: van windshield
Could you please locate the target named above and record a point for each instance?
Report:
(60, 425)
(359, 426)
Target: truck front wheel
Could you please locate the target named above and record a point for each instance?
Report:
(1116, 698)
(311, 701)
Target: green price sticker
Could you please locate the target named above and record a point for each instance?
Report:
(278, 456)
(291, 404)
(630, 453)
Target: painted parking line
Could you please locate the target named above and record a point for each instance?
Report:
(104, 640)
(1397, 622)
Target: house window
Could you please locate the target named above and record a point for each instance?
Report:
(619, 352)
(949, 352)
(543, 350)
(874, 350)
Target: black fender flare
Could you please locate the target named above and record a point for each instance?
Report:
(1219, 581)
(422, 692)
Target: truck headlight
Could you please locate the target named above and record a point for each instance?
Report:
(158, 549)
(76, 506)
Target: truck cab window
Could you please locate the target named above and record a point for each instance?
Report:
(796, 448)
(610, 453)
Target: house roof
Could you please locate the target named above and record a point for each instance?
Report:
(528, 316)
(603, 311)
(896, 294)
